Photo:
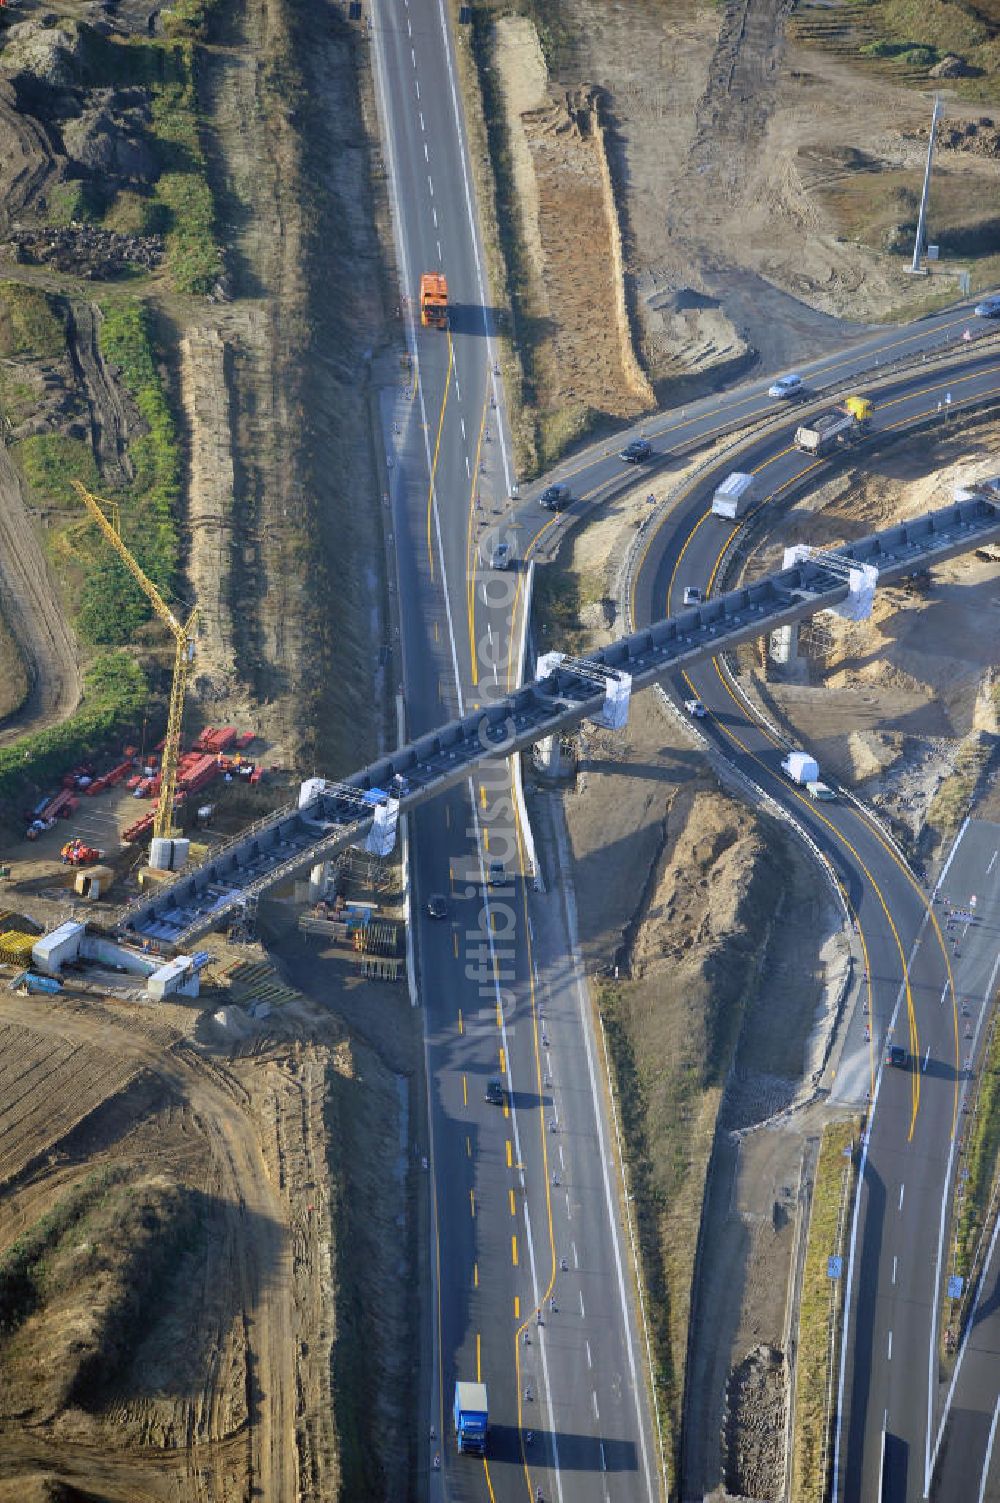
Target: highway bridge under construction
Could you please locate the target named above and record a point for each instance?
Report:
(332, 816)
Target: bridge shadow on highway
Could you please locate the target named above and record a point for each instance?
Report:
(869, 1253)
(472, 318)
(577, 1453)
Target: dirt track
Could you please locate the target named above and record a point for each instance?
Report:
(231, 1416)
(33, 612)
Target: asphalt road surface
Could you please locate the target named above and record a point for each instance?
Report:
(525, 1211)
(532, 1290)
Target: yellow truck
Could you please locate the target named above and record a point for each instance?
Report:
(843, 424)
(434, 300)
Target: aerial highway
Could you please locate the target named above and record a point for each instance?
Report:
(525, 1214)
(532, 1292)
(913, 982)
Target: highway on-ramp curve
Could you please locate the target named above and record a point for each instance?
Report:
(532, 1289)
(525, 1208)
(890, 1373)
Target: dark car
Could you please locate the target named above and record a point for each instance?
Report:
(437, 906)
(635, 452)
(895, 1055)
(555, 497)
(495, 1093)
(988, 308)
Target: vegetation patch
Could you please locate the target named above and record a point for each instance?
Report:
(561, 596)
(820, 1308)
(188, 18)
(29, 324)
(505, 253)
(182, 193)
(77, 1290)
(28, 1269)
(952, 801)
(904, 39)
(114, 695)
(13, 674)
(980, 1161)
(671, 1031)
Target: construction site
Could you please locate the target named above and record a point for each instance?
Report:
(217, 1255)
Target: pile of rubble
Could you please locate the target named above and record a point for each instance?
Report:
(85, 250)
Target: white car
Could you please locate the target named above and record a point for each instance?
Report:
(988, 308)
(786, 386)
(695, 708)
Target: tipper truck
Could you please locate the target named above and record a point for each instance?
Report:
(844, 424)
(434, 300)
(801, 768)
(733, 496)
(471, 1413)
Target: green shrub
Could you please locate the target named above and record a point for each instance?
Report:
(29, 325)
(115, 693)
(188, 18)
(981, 1160)
(50, 461)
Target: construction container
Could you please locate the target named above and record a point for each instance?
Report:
(92, 881)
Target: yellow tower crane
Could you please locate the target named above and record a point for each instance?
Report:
(108, 519)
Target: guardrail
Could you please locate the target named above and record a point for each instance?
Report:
(751, 432)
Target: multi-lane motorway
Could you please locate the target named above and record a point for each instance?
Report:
(532, 1290)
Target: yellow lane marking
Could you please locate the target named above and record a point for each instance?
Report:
(517, 1307)
(513, 1207)
(470, 573)
(454, 942)
(513, 1248)
(506, 1108)
(510, 1154)
(499, 1016)
(475, 1275)
(472, 1202)
(468, 1147)
(503, 1063)
(543, 1137)
(437, 450)
(767, 408)
(489, 1481)
(486, 838)
(479, 1361)
(808, 804)
(872, 826)
(482, 795)
(461, 1025)
(465, 1091)
(437, 633)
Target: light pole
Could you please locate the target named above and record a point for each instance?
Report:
(919, 244)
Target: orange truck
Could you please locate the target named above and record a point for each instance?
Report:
(433, 300)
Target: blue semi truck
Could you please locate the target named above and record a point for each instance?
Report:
(471, 1418)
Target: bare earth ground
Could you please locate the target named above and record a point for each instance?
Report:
(584, 358)
(194, 1353)
(887, 701)
(34, 618)
(757, 178)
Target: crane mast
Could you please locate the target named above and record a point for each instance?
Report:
(108, 518)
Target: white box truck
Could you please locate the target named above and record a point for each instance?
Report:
(801, 768)
(733, 496)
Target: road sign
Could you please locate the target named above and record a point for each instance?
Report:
(955, 1286)
(834, 1267)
